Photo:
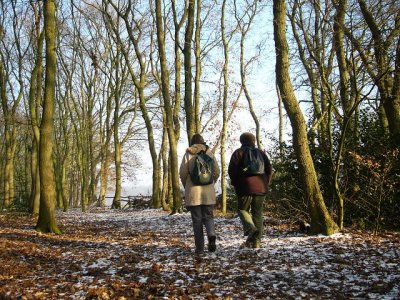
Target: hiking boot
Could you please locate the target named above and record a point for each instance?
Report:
(252, 236)
(245, 245)
(199, 252)
(211, 243)
(257, 244)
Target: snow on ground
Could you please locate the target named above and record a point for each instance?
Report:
(148, 254)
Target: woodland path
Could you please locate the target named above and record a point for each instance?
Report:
(148, 254)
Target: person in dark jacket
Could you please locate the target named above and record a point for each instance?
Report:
(251, 191)
(199, 199)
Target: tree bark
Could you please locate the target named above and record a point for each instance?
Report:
(197, 53)
(244, 26)
(321, 221)
(140, 82)
(224, 130)
(46, 220)
(387, 80)
(176, 194)
(187, 53)
(35, 96)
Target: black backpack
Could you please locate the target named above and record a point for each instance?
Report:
(203, 170)
(253, 161)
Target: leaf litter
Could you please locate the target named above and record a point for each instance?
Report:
(149, 254)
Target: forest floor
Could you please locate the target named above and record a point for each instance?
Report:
(148, 254)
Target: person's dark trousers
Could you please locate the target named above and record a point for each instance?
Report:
(202, 215)
(250, 210)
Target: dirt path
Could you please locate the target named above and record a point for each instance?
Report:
(149, 255)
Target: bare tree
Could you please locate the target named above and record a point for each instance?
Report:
(383, 69)
(187, 52)
(177, 199)
(35, 99)
(244, 21)
(13, 49)
(46, 220)
(321, 221)
(135, 24)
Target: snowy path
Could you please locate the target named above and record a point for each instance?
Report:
(149, 254)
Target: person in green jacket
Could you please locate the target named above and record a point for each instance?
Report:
(251, 188)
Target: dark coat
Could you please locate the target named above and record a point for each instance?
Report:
(248, 184)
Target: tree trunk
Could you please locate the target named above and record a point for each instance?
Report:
(35, 96)
(197, 53)
(281, 124)
(105, 164)
(321, 221)
(35, 191)
(156, 203)
(224, 130)
(9, 133)
(64, 186)
(117, 155)
(338, 43)
(387, 80)
(244, 26)
(187, 53)
(105, 155)
(118, 177)
(140, 82)
(46, 220)
(165, 173)
(178, 67)
(176, 194)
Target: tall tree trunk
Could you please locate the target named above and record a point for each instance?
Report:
(178, 67)
(197, 53)
(224, 130)
(35, 96)
(64, 186)
(105, 155)
(35, 190)
(321, 221)
(250, 13)
(10, 141)
(156, 203)
(338, 43)
(117, 153)
(187, 53)
(105, 164)
(387, 80)
(176, 194)
(281, 125)
(165, 173)
(118, 177)
(140, 82)
(46, 220)
(9, 162)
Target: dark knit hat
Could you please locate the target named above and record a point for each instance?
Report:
(196, 139)
(247, 138)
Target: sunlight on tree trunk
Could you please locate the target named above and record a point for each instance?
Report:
(176, 193)
(46, 220)
(321, 221)
(187, 52)
(387, 80)
(35, 96)
(197, 54)
(224, 130)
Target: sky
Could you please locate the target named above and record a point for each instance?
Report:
(261, 86)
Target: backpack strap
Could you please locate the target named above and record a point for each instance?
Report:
(194, 157)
